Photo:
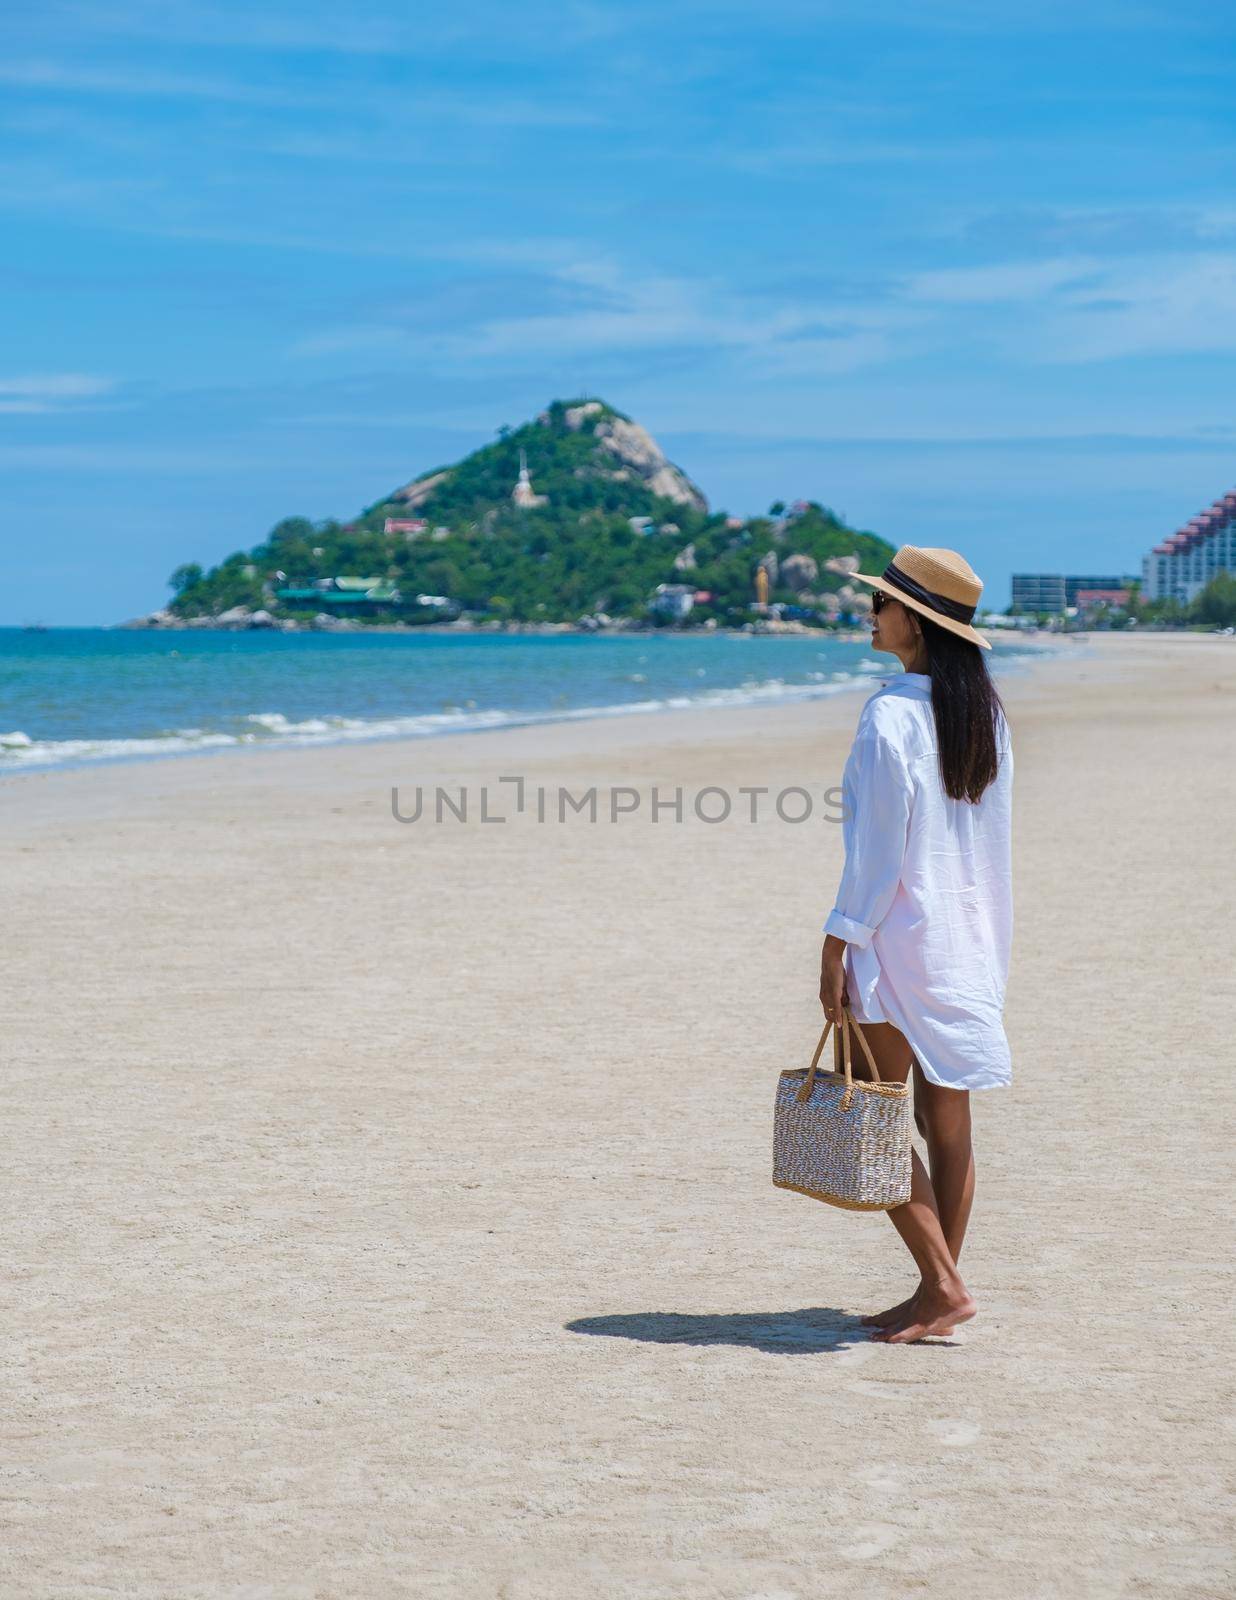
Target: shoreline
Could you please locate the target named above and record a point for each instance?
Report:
(771, 628)
(270, 768)
(438, 725)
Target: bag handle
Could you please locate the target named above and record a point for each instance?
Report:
(848, 1022)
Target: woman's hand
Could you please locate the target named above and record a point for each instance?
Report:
(833, 992)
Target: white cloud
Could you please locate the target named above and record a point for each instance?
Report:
(475, 109)
(1010, 282)
(1066, 309)
(53, 393)
(1176, 306)
(482, 29)
(851, 151)
(168, 85)
(1084, 308)
(653, 312)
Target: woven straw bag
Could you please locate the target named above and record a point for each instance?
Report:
(839, 1138)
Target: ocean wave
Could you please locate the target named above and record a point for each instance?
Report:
(272, 729)
(68, 752)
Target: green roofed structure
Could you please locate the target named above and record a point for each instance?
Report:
(344, 592)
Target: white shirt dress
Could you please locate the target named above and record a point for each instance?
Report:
(925, 904)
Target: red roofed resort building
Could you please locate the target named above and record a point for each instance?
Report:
(1182, 566)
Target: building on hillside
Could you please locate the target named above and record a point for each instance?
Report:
(411, 526)
(1186, 561)
(367, 597)
(672, 600)
(523, 493)
(347, 593)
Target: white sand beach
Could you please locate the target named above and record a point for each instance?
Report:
(389, 1208)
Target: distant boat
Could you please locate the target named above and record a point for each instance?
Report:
(34, 627)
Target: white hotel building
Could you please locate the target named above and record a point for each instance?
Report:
(1184, 564)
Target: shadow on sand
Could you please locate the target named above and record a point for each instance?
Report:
(815, 1330)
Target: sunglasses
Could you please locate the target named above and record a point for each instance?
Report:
(879, 599)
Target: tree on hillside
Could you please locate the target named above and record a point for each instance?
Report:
(1217, 602)
(185, 577)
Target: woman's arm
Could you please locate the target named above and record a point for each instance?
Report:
(833, 993)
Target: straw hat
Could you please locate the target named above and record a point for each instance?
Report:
(938, 584)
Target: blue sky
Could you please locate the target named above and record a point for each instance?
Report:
(964, 272)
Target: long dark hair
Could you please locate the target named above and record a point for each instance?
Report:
(967, 711)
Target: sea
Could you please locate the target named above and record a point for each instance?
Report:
(77, 696)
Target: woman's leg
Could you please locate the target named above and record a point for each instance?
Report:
(943, 1119)
(941, 1300)
(943, 1116)
(889, 1057)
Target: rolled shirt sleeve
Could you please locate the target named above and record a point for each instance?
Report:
(877, 794)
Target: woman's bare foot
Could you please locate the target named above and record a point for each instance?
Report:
(932, 1313)
(882, 1319)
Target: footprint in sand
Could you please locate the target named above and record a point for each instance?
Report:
(883, 1476)
(954, 1431)
(870, 1539)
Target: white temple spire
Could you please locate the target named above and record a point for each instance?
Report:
(523, 493)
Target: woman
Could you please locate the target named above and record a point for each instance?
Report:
(918, 943)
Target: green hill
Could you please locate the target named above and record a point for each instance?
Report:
(602, 520)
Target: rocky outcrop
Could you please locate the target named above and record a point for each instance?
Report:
(420, 489)
(155, 619)
(576, 416)
(855, 598)
(232, 619)
(799, 572)
(639, 451)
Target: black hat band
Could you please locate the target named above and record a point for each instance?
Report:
(893, 575)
